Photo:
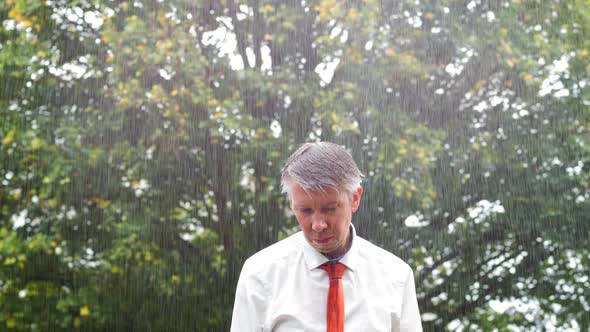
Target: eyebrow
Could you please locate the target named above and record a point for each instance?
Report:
(325, 205)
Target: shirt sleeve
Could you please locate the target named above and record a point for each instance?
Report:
(250, 302)
(410, 316)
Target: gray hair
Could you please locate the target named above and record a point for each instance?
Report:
(320, 166)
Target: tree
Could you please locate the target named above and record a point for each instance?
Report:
(142, 144)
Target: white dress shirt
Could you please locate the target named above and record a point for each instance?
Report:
(281, 288)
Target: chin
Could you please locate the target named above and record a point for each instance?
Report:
(324, 250)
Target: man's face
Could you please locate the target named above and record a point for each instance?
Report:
(325, 217)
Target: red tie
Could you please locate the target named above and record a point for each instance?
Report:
(335, 306)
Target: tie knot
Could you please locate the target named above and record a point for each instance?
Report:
(335, 270)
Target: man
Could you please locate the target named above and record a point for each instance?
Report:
(324, 278)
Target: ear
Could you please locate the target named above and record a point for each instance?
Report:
(356, 199)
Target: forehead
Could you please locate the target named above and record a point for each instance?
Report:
(301, 197)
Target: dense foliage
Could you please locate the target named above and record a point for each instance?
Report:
(142, 141)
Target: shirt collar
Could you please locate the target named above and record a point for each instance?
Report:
(314, 258)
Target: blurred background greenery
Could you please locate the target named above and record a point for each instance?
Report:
(142, 141)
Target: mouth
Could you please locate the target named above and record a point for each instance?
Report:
(323, 241)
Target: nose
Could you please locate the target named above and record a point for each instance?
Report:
(318, 222)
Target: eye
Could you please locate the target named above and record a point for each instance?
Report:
(306, 211)
(329, 210)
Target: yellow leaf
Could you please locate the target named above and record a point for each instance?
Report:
(266, 9)
(84, 311)
(479, 85)
(16, 14)
(36, 143)
(9, 137)
(102, 203)
(52, 202)
(11, 323)
(356, 56)
(326, 9)
(527, 77)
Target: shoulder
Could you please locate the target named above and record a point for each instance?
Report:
(383, 260)
(274, 257)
